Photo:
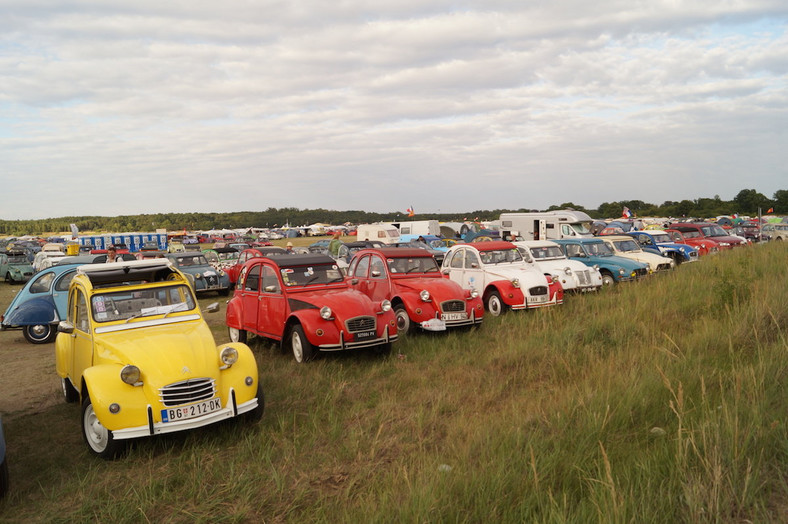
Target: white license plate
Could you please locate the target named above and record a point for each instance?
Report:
(191, 411)
(541, 298)
(454, 316)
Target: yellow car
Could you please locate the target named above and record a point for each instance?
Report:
(137, 352)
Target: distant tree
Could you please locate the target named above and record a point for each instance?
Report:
(781, 201)
(749, 201)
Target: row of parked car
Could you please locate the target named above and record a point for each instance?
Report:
(133, 347)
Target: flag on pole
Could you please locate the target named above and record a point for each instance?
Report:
(770, 210)
(626, 213)
(410, 211)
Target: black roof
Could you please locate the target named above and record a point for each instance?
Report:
(310, 259)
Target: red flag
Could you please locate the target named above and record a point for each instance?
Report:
(410, 211)
(770, 210)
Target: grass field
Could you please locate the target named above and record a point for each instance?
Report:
(660, 401)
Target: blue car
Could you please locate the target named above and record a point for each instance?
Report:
(661, 243)
(41, 304)
(596, 253)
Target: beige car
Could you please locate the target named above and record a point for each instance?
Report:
(778, 231)
(628, 247)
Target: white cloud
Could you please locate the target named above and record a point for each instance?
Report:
(199, 106)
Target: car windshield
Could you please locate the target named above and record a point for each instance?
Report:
(128, 305)
(598, 249)
(627, 246)
(714, 231)
(402, 265)
(306, 275)
(547, 253)
(500, 256)
(213, 258)
(661, 238)
(191, 261)
(691, 234)
(582, 228)
(17, 259)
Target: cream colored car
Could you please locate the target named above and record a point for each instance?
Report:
(626, 246)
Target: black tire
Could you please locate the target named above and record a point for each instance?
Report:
(493, 303)
(237, 335)
(98, 438)
(299, 345)
(608, 280)
(69, 393)
(404, 325)
(4, 477)
(257, 413)
(40, 333)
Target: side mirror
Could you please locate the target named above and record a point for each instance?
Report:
(375, 273)
(65, 327)
(353, 281)
(213, 307)
(270, 289)
(445, 271)
(474, 265)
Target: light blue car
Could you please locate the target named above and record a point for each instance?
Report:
(596, 253)
(41, 304)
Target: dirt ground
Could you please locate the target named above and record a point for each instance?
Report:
(27, 373)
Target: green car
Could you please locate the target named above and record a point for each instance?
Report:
(15, 267)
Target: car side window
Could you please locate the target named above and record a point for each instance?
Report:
(566, 230)
(645, 240)
(81, 321)
(471, 259)
(252, 282)
(363, 267)
(574, 250)
(377, 268)
(65, 280)
(456, 260)
(43, 283)
(351, 270)
(270, 280)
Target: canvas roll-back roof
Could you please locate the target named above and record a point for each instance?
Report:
(147, 270)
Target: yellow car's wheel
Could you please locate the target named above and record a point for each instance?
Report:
(99, 439)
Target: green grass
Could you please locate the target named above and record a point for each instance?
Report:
(659, 401)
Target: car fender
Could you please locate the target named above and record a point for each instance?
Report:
(234, 313)
(413, 302)
(235, 376)
(39, 310)
(104, 386)
(311, 322)
(63, 354)
(509, 294)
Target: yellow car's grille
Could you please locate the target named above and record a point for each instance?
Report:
(188, 391)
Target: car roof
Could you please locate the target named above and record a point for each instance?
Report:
(492, 245)
(150, 269)
(310, 259)
(401, 252)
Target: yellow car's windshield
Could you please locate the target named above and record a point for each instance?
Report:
(127, 305)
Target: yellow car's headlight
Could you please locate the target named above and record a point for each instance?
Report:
(229, 356)
(130, 374)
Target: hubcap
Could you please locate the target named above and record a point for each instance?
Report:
(298, 351)
(97, 435)
(403, 321)
(494, 306)
(234, 335)
(39, 331)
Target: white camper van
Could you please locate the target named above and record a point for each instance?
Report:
(419, 227)
(382, 232)
(549, 225)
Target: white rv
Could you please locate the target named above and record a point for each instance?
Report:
(382, 232)
(419, 227)
(548, 225)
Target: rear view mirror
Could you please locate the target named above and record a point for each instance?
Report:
(65, 327)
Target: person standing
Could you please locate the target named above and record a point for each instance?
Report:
(335, 244)
(112, 254)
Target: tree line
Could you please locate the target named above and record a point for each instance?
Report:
(746, 202)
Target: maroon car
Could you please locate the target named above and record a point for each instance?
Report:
(419, 293)
(709, 231)
(247, 254)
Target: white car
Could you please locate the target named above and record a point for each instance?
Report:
(497, 271)
(627, 247)
(549, 258)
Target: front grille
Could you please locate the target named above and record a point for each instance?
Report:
(212, 280)
(641, 272)
(188, 391)
(693, 254)
(584, 277)
(663, 267)
(453, 306)
(538, 290)
(358, 324)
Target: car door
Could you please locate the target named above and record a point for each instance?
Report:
(359, 271)
(272, 311)
(60, 292)
(454, 265)
(473, 275)
(249, 285)
(81, 338)
(378, 281)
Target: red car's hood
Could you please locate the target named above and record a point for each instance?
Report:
(439, 288)
(342, 301)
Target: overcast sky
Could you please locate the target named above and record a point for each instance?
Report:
(126, 107)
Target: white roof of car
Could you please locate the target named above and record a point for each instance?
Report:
(148, 263)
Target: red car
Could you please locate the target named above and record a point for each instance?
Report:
(709, 231)
(305, 303)
(247, 254)
(420, 295)
(705, 246)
